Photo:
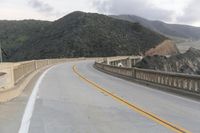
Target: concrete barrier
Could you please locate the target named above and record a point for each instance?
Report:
(182, 82)
(114, 69)
(15, 76)
(23, 69)
(125, 61)
(8, 78)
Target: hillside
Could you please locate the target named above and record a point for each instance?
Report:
(87, 34)
(188, 62)
(167, 47)
(170, 30)
(13, 34)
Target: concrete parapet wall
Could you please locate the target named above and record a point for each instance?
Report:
(13, 75)
(22, 70)
(182, 82)
(119, 70)
(176, 80)
(125, 61)
(7, 80)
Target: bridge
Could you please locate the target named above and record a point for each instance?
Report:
(96, 95)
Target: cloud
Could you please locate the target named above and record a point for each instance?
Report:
(191, 13)
(41, 6)
(143, 8)
(46, 9)
(172, 11)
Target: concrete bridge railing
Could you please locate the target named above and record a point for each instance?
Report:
(182, 82)
(185, 82)
(12, 75)
(126, 61)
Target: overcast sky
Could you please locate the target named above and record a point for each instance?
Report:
(172, 11)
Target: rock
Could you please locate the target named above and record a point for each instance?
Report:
(188, 62)
(167, 47)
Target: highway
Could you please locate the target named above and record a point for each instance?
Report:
(76, 98)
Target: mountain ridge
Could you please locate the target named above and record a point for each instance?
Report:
(80, 34)
(170, 30)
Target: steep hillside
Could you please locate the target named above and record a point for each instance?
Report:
(171, 30)
(167, 47)
(188, 62)
(14, 33)
(86, 34)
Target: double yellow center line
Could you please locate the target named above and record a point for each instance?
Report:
(132, 106)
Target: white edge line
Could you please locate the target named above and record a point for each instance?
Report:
(26, 119)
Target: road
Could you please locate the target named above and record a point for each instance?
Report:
(66, 102)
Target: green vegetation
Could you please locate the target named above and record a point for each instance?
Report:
(80, 35)
(14, 34)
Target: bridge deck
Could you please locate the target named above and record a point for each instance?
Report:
(67, 103)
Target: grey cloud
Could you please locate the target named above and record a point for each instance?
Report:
(41, 6)
(191, 13)
(137, 7)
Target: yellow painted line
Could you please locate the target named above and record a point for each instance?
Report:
(132, 106)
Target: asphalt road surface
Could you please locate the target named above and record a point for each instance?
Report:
(81, 99)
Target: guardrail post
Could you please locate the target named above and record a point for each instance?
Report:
(129, 63)
(134, 73)
(12, 76)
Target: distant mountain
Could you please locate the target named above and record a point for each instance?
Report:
(170, 30)
(82, 34)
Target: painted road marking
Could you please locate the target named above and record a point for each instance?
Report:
(132, 106)
(25, 123)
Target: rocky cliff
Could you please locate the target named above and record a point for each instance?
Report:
(167, 47)
(188, 62)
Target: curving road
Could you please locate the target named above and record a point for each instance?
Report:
(65, 102)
